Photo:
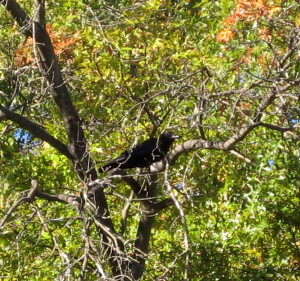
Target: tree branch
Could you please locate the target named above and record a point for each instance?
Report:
(159, 206)
(240, 155)
(228, 145)
(277, 128)
(64, 198)
(149, 190)
(35, 130)
(185, 148)
(34, 192)
(125, 212)
(49, 67)
(134, 184)
(19, 14)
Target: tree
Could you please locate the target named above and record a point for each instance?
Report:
(98, 78)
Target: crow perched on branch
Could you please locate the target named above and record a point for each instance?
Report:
(143, 154)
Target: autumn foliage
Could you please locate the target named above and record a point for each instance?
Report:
(248, 11)
(62, 45)
(223, 204)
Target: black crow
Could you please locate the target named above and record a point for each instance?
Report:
(143, 154)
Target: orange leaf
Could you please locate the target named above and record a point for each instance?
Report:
(225, 35)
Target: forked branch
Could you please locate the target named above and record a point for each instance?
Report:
(74, 201)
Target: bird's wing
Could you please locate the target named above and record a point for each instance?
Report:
(121, 158)
(138, 156)
(116, 162)
(144, 149)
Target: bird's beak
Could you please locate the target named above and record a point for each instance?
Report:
(175, 137)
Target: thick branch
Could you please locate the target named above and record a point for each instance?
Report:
(187, 147)
(226, 146)
(145, 226)
(142, 242)
(243, 133)
(63, 198)
(159, 206)
(34, 129)
(19, 14)
(134, 185)
(49, 66)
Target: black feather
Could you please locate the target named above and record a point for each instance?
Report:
(143, 154)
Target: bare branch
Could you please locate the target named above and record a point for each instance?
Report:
(233, 141)
(35, 130)
(125, 212)
(185, 148)
(34, 192)
(240, 156)
(29, 198)
(277, 128)
(64, 198)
